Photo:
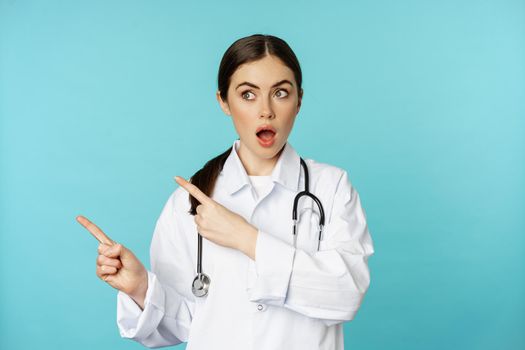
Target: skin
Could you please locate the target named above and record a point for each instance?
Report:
(250, 106)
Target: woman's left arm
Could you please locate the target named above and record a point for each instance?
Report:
(328, 284)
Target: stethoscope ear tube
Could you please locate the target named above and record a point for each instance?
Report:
(315, 199)
(307, 192)
(294, 216)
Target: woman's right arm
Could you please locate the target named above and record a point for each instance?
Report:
(168, 304)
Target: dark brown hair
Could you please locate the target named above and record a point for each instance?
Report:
(244, 50)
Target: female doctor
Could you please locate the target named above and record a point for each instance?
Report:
(266, 287)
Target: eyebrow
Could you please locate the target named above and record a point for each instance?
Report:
(256, 87)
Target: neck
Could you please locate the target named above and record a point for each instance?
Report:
(256, 166)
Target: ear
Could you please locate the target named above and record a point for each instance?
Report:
(224, 105)
(299, 100)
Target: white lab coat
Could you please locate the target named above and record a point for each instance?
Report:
(288, 298)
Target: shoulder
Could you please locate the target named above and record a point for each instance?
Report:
(175, 216)
(178, 202)
(327, 175)
(333, 187)
(330, 183)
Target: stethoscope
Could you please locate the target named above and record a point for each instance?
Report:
(201, 283)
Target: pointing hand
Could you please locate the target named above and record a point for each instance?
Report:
(117, 265)
(219, 224)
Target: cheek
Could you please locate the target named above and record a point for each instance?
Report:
(243, 114)
(243, 122)
(287, 111)
(243, 110)
(289, 124)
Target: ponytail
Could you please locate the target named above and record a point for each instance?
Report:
(206, 177)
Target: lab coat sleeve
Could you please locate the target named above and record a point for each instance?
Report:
(168, 309)
(328, 284)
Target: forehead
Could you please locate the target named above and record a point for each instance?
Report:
(263, 72)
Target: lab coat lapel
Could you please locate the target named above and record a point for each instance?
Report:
(286, 170)
(236, 186)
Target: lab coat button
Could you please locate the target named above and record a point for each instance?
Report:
(260, 307)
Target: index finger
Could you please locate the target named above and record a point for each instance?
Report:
(95, 230)
(193, 190)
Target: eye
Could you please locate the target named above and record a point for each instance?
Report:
(281, 93)
(246, 95)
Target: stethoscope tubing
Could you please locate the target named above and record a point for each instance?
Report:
(201, 283)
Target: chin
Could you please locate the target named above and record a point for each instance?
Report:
(264, 152)
(273, 151)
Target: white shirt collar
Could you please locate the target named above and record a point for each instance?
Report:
(286, 170)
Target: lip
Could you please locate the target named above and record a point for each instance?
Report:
(265, 127)
(270, 142)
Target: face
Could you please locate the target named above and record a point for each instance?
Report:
(262, 94)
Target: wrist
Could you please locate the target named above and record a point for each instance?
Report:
(139, 294)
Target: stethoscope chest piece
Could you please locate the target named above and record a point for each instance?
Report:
(200, 285)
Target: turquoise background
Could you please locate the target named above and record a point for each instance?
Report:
(423, 102)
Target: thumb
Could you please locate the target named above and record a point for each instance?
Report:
(114, 251)
(121, 252)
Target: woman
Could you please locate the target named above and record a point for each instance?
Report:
(269, 289)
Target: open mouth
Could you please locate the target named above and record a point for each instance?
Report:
(266, 135)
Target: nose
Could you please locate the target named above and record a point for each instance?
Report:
(266, 109)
